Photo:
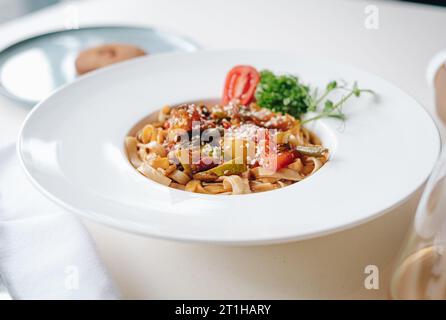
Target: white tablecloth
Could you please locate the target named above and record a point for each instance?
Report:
(330, 267)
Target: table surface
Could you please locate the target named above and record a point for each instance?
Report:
(408, 36)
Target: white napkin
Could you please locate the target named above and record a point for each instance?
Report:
(45, 252)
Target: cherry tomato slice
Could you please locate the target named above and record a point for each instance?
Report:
(241, 83)
(285, 158)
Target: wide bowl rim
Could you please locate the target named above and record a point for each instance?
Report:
(142, 231)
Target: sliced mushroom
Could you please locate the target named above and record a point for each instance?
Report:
(206, 176)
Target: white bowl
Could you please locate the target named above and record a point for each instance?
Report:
(72, 148)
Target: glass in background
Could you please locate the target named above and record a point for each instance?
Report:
(420, 272)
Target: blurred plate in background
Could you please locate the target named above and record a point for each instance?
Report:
(31, 69)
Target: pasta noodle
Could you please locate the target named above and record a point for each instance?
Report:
(154, 174)
(317, 164)
(236, 184)
(132, 151)
(180, 177)
(239, 149)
